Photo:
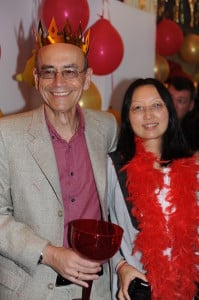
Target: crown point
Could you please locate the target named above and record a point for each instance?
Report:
(53, 36)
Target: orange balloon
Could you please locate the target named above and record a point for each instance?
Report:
(161, 68)
(189, 50)
(116, 114)
(91, 98)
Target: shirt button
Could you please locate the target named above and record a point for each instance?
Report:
(50, 286)
(73, 200)
(71, 173)
(60, 213)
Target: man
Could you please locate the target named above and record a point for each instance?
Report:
(182, 91)
(53, 170)
(183, 94)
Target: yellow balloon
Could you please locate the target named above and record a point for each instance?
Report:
(161, 68)
(91, 98)
(27, 75)
(189, 50)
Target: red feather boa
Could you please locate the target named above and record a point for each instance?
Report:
(174, 277)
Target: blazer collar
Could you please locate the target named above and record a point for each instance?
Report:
(95, 145)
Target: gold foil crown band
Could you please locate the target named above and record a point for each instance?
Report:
(53, 35)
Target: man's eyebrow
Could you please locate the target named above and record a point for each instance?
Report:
(43, 67)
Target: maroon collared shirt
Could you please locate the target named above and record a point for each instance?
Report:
(79, 193)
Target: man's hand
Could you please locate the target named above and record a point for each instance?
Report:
(71, 265)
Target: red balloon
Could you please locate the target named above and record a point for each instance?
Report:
(176, 70)
(105, 48)
(169, 37)
(174, 66)
(75, 11)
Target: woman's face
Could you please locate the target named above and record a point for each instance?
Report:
(148, 114)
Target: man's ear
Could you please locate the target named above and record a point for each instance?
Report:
(36, 79)
(87, 82)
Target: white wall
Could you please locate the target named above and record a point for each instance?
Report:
(137, 29)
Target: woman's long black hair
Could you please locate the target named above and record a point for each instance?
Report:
(174, 145)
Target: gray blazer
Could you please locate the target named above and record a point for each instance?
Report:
(31, 209)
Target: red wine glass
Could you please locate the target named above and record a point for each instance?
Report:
(96, 240)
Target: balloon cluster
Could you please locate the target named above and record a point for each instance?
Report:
(170, 40)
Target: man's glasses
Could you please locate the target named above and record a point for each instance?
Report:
(67, 73)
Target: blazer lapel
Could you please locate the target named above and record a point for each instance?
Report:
(42, 150)
(97, 156)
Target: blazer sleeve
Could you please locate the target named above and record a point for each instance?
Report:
(19, 242)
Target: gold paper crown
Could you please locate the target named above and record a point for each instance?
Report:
(53, 35)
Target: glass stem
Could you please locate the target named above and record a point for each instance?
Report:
(87, 291)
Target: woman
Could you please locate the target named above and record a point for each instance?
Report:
(158, 176)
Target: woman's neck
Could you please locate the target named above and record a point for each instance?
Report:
(152, 145)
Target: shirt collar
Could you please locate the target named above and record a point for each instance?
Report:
(54, 134)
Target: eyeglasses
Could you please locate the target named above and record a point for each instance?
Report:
(67, 73)
(155, 107)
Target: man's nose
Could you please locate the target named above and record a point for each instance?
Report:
(59, 79)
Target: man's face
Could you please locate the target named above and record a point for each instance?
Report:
(182, 101)
(60, 76)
